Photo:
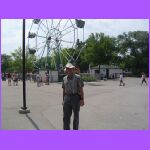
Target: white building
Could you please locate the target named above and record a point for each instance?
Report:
(105, 71)
(53, 75)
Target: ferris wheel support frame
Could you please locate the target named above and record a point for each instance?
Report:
(53, 32)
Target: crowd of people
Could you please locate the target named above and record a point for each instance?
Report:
(14, 77)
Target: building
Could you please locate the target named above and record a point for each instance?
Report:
(105, 72)
(53, 75)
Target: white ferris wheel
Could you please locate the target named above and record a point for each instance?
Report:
(57, 40)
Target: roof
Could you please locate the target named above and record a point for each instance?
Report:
(106, 67)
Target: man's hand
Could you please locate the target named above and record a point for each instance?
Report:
(81, 102)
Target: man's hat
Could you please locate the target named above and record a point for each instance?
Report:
(69, 65)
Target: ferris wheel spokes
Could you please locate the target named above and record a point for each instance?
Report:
(56, 38)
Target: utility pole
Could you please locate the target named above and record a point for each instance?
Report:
(24, 109)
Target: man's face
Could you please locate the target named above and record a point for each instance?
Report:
(70, 71)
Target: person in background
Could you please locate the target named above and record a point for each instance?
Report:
(143, 79)
(77, 70)
(121, 80)
(15, 79)
(9, 78)
(38, 79)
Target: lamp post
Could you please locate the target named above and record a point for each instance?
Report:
(24, 109)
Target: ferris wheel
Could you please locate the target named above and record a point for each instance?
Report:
(58, 40)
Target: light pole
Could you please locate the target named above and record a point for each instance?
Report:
(24, 109)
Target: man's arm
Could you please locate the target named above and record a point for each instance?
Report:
(63, 96)
(63, 93)
(81, 96)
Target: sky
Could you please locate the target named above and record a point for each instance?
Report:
(11, 30)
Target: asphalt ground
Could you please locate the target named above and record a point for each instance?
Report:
(108, 106)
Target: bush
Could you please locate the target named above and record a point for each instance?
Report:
(88, 78)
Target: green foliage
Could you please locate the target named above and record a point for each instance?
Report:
(100, 49)
(13, 62)
(17, 60)
(128, 50)
(29, 62)
(88, 78)
(133, 48)
(6, 63)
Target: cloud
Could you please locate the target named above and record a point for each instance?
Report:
(114, 27)
(11, 29)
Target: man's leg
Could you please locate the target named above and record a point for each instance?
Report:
(76, 109)
(120, 83)
(67, 112)
(145, 81)
(76, 119)
(142, 81)
(16, 82)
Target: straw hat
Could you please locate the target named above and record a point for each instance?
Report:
(69, 65)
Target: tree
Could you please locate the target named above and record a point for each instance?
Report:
(100, 49)
(6, 63)
(133, 48)
(29, 62)
(17, 60)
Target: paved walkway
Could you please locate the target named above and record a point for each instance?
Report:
(108, 106)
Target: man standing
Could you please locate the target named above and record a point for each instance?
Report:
(9, 79)
(15, 79)
(121, 80)
(143, 79)
(73, 97)
(38, 79)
